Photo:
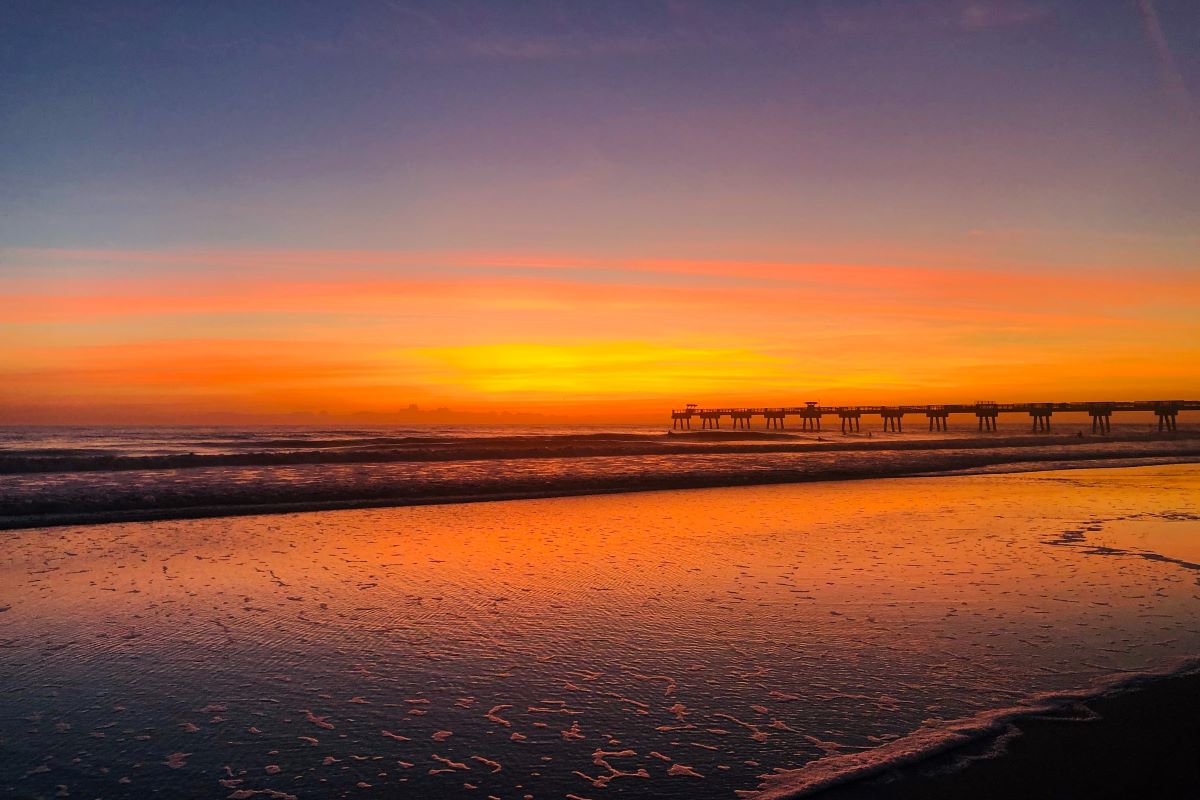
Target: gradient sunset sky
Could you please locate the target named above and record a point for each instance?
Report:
(597, 210)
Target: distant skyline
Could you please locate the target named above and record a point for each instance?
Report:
(593, 211)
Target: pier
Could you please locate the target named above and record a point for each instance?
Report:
(986, 412)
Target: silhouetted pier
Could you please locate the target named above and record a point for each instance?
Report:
(986, 413)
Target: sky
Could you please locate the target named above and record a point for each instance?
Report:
(593, 211)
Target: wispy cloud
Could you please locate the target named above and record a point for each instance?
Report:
(543, 30)
(981, 15)
(1173, 82)
(900, 16)
(60, 285)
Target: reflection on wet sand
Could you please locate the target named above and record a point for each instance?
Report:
(634, 645)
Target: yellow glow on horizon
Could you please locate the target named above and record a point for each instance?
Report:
(596, 369)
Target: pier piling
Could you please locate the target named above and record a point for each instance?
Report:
(1166, 417)
(1101, 418)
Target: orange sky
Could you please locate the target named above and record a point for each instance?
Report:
(194, 335)
(594, 211)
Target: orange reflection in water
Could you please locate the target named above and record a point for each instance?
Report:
(727, 631)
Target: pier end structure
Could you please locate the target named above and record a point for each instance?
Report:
(810, 417)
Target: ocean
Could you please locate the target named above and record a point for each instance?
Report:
(68, 475)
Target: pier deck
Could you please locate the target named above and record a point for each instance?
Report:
(985, 411)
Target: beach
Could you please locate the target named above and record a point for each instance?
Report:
(636, 400)
(774, 640)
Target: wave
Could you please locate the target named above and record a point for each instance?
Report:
(40, 500)
(259, 452)
(252, 450)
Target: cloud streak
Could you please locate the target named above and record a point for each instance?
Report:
(1172, 79)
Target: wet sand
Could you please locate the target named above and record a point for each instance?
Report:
(1141, 743)
(663, 644)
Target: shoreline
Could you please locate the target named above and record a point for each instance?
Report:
(1135, 737)
(998, 465)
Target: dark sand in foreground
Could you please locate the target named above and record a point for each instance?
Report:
(1145, 744)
